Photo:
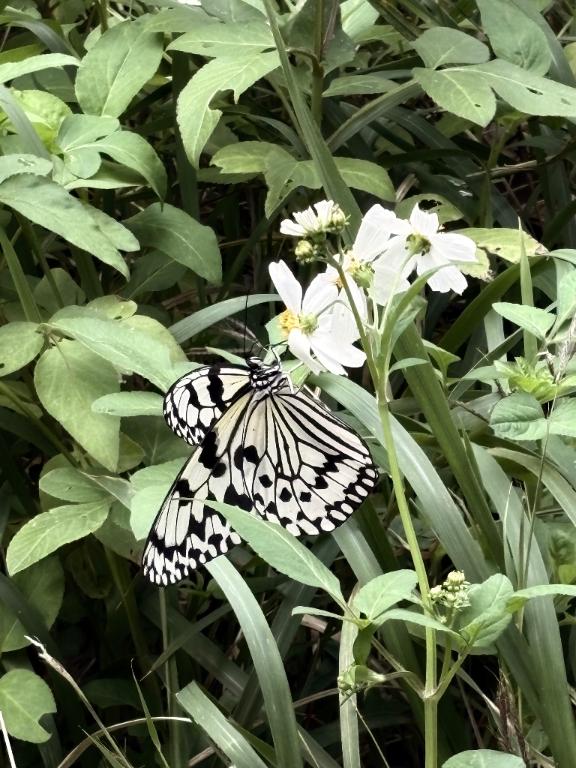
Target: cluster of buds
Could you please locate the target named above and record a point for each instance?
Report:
(312, 227)
(358, 678)
(452, 595)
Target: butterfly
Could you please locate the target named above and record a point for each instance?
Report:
(278, 453)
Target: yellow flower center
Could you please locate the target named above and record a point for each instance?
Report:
(417, 244)
(289, 320)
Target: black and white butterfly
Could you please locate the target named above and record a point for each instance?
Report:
(278, 453)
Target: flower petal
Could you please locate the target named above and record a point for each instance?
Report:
(448, 278)
(454, 247)
(374, 231)
(423, 222)
(287, 286)
(299, 345)
(319, 296)
(289, 227)
(388, 281)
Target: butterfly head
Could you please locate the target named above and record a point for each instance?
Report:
(266, 378)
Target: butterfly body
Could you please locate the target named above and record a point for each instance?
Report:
(272, 451)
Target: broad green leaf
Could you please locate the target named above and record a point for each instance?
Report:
(133, 151)
(13, 165)
(150, 486)
(69, 291)
(526, 91)
(562, 420)
(47, 204)
(129, 404)
(19, 344)
(42, 586)
(509, 244)
(117, 67)
(125, 347)
(69, 484)
(14, 69)
(459, 91)
(248, 156)
(78, 130)
(366, 176)
(218, 728)
(352, 85)
(237, 73)
(514, 36)
(24, 698)
(487, 616)
(518, 417)
(50, 530)
(521, 596)
(414, 617)
(281, 550)
(209, 39)
(484, 758)
(537, 321)
(182, 238)
(443, 45)
(357, 17)
(45, 111)
(68, 378)
(153, 271)
(384, 591)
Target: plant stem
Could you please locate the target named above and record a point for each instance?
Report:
(317, 68)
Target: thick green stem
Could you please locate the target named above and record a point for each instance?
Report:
(317, 68)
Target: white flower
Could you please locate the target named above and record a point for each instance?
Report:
(359, 263)
(327, 217)
(189, 2)
(418, 244)
(319, 330)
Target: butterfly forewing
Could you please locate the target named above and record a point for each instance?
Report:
(195, 402)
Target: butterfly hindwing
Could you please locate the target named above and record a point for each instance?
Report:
(187, 533)
(194, 403)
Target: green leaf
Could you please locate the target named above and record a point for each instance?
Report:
(414, 617)
(42, 586)
(459, 91)
(24, 698)
(367, 176)
(150, 485)
(69, 291)
(128, 348)
(69, 484)
(14, 69)
(352, 85)
(506, 243)
(521, 596)
(13, 165)
(78, 130)
(562, 420)
(487, 616)
(209, 39)
(237, 73)
(19, 344)
(537, 321)
(281, 550)
(133, 151)
(514, 36)
(47, 204)
(526, 91)
(68, 378)
(182, 238)
(444, 45)
(385, 591)
(518, 417)
(484, 758)
(248, 156)
(219, 730)
(129, 404)
(49, 531)
(117, 67)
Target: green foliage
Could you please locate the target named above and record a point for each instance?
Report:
(148, 151)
